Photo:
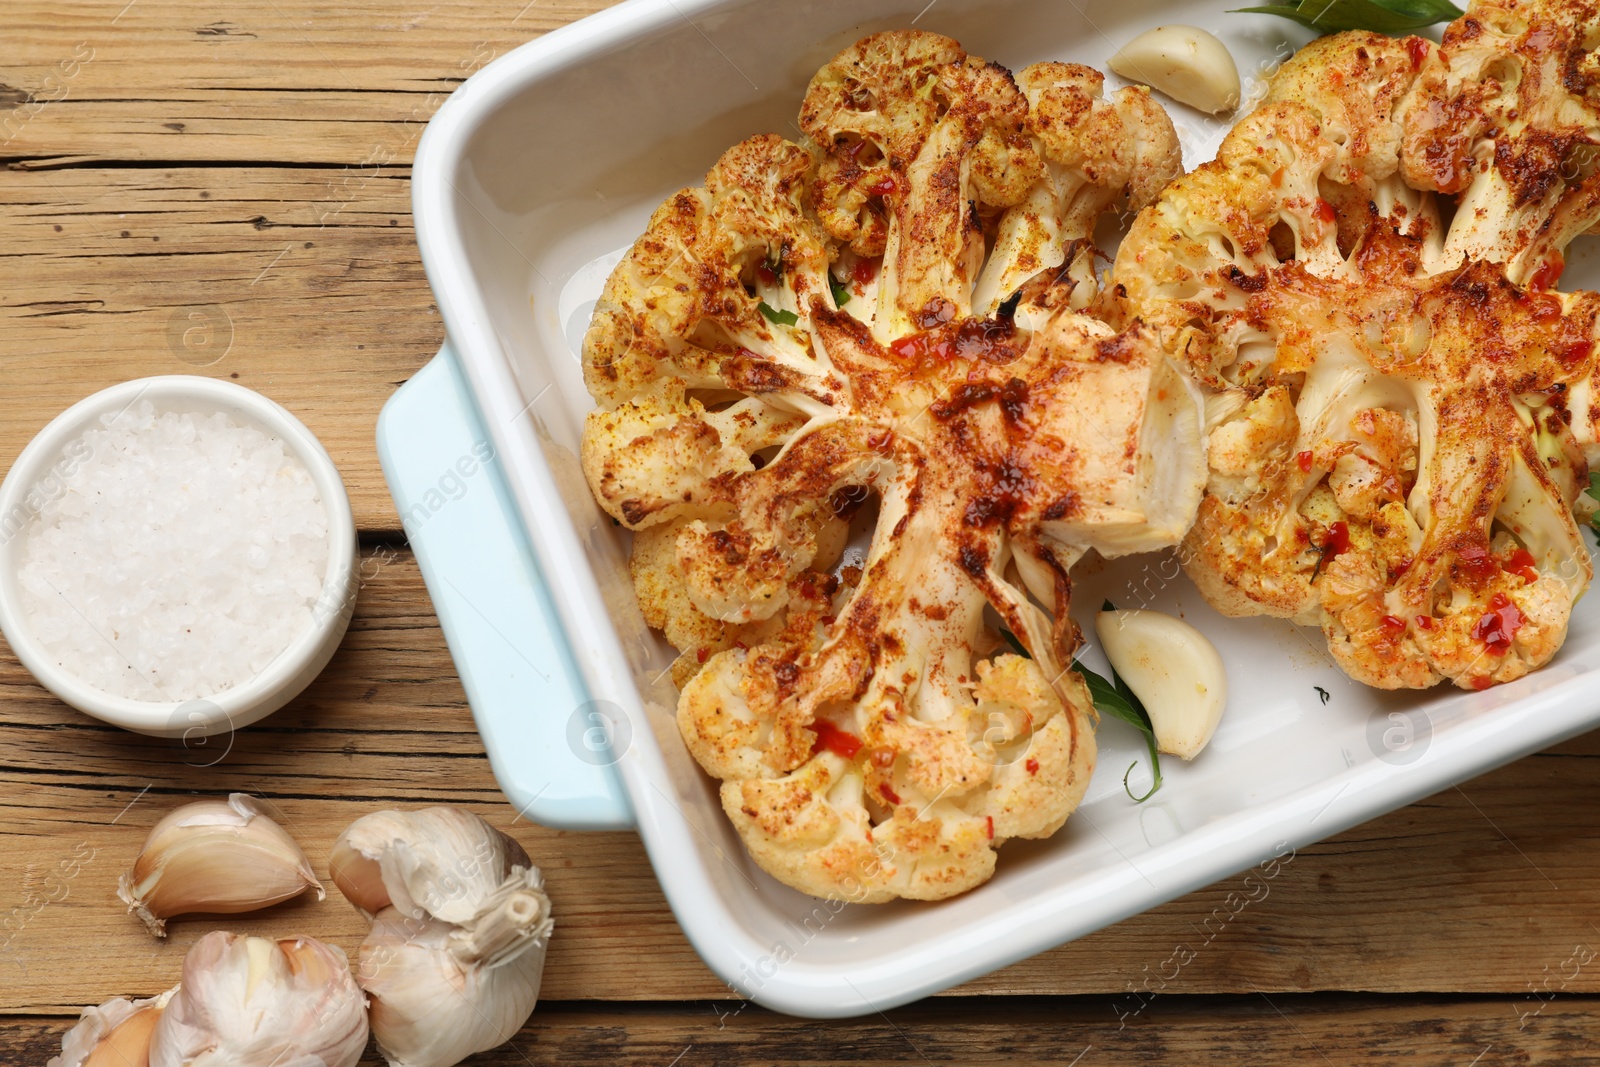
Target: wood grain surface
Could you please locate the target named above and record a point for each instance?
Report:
(223, 190)
(1325, 1029)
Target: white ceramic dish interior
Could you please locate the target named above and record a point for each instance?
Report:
(530, 183)
(42, 464)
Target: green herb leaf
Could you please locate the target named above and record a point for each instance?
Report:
(773, 315)
(1016, 646)
(1437, 10)
(1115, 699)
(1382, 16)
(841, 291)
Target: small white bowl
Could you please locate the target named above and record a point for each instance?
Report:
(287, 675)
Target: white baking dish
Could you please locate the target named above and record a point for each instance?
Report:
(529, 183)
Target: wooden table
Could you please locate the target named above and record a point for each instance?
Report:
(191, 183)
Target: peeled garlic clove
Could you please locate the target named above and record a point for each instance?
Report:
(254, 1002)
(1173, 670)
(1187, 63)
(222, 857)
(114, 1034)
(441, 861)
(456, 951)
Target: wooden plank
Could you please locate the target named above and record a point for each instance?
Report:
(275, 80)
(1485, 889)
(1331, 1029)
(304, 284)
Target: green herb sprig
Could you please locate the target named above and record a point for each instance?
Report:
(1114, 698)
(1381, 16)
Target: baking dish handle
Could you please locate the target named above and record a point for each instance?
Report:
(527, 697)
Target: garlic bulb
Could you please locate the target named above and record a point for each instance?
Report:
(115, 1034)
(456, 951)
(443, 861)
(215, 856)
(254, 1002)
(1173, 670)
(1188, 64)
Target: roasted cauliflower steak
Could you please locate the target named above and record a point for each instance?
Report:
(896, 313)
(1400, 407)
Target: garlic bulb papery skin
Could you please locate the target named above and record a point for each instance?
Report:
(441, 992)
(462, 923)
(215, 856)
(257, 1002)
(1175, 672)
(113, 1034)
(442, 862)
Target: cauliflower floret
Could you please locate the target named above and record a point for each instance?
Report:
(1383, 453)
(1390, 452)
(659, 449)
(665, 601)
(1256, 435)
(686, 301)
(871, 739)
(945, 137)
(1097, 152)
(1506, 115)
(870, 109)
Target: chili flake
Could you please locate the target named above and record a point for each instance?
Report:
(1499, 626)
(835, 740)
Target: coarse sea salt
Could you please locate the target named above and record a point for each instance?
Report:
(181, 555)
